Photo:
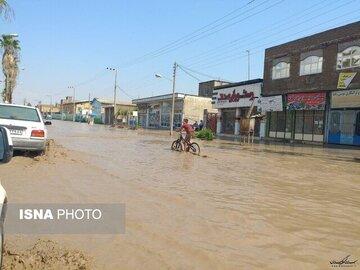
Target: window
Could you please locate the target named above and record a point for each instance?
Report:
(281, 70)
(318, 122)
(19, 113)
(357, 124)
(335, 122)
(273, 121)
(165, 120)
(289, 121)
(349, 58)
(311, 65)
(308, 122)
(281, 121)
(177, 120)
(299, 121)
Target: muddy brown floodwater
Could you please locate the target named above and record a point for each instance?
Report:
(236, 207)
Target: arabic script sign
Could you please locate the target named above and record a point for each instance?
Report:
(306, 101)
(235, 97)
(345, 99)
(345, 79)
(270, 104)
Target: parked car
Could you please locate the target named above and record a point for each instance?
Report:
(27, 128)
(6, 152)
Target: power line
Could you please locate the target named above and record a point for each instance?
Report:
(277, 42)
(204, 34)
(188, 73)
(334, 9)
(190, 34)
(128, 95)
(92, 79)
(236, 41)
(204, 74)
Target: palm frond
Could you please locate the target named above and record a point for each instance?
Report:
(5, 10)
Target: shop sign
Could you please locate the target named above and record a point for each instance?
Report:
(306, 101)
(345, 79)
(345, 99)
(270, 104)
(236, 97)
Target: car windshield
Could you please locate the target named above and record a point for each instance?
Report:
(19, 113)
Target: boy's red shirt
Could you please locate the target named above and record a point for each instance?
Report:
(188, 128)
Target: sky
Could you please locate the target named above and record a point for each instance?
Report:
(71, 42)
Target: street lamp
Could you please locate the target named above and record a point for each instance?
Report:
(159, 76)
(115, 85)
(74, 108)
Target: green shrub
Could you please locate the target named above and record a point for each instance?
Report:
(205, 134)
(97, 120)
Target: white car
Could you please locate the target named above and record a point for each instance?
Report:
(6, 152)
(26, 126)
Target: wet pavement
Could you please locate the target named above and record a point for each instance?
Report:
(234, 207)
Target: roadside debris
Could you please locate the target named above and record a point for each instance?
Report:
(44, 254)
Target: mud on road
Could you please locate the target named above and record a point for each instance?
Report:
(257, 207)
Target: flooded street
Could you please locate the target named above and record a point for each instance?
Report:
(234, 207)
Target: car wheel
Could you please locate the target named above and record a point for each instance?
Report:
(40, 152)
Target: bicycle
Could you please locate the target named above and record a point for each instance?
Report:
(180, 144)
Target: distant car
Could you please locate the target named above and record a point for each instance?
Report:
(6, 153)
(26, 126)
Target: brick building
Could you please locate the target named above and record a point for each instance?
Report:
(206, 88)
(319, 82)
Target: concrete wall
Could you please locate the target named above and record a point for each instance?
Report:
(194, 107)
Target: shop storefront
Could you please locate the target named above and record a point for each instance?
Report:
(344, 120)
(155, 112)
(302, 120)
(236, 102)
(266, 106)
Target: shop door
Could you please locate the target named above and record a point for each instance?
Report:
(345, 127)
(228, 121)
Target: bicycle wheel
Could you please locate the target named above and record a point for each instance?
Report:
(177, 146)
(194, 148)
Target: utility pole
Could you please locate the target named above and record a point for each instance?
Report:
(248, 58)
(51, 102)
(50, 97)
(115, 86)
(74, 105)
(173, 99)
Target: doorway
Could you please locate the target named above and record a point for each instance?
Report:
(345, 127)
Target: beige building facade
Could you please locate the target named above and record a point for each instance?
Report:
(155, 112)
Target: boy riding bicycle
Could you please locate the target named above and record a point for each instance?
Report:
(189, 132)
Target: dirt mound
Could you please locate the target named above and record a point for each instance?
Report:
(44, 254)
(51, 152)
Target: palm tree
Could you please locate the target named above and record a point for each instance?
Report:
(5, 10)
(10, 61)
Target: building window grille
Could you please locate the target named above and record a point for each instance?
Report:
(281, 70)
(349, 58)
(311, 65)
